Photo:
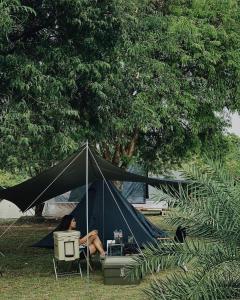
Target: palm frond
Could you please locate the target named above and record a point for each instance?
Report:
(197, 285)
(210, 210)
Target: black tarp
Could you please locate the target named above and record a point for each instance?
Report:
(69, 174)
(105, 216)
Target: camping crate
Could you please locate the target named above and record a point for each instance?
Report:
(114, 270)
(66, 245)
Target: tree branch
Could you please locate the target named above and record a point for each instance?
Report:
(106, 152)
(116, 156)
(130, 149)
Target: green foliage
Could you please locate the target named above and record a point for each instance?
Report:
(210, 210)
(8, 179)
(143, 79)
(11, 13)
(233, 155)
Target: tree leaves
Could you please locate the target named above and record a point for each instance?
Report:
(145, 76)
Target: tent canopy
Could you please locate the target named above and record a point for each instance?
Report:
(107, 206)
(69, 174)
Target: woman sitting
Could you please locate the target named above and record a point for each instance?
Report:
(94, 243)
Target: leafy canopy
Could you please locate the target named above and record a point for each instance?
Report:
(143, 79)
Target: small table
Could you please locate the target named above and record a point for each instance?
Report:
(115, 249)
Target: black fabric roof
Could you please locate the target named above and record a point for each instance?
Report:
(69, 174)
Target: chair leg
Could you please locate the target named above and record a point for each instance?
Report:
(57, 274)
(87, 261)
(55, 268)
(79, 267)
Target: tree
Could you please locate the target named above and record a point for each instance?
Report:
(210, 210)
(143, 79)
(232, 160)
(9, 179)
(176, 60)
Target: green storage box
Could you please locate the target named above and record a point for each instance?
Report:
(114, 271)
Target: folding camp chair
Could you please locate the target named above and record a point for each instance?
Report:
(61, 274)
(82, 250)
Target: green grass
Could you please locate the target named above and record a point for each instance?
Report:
(28, 272)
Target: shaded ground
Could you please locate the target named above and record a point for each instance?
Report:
(28, 272)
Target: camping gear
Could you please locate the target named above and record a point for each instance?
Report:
(66, 245)
(80, 169)
(115, 235)
(115, 249)
(66, 248)
(114, 270)
(118, 236)
(130, 249)
(109, 242)
(130, 239)
(9, 210)
(58, 273)
(180, 234)
(104, 215)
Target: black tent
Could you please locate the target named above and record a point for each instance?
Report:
(107, 209)
(69, 174)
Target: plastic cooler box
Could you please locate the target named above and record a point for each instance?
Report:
(66, 245)
(114, 270)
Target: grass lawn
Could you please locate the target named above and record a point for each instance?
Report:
(28, 272)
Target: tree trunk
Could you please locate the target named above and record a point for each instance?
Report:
(130, 149)
(39, 210)
(38, 207)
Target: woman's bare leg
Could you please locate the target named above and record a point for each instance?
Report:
(94, 240)
(92, 249)
(98, 244)
(98, 240)
(85, 239)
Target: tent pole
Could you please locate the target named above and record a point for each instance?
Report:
(87, 208)
(103, 213)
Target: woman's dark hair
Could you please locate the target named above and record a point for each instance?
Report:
(65, 222)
